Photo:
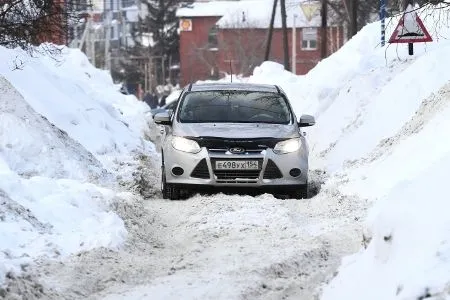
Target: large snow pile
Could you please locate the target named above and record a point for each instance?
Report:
(65, 133)
(382, 129)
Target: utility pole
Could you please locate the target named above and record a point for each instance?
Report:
(294, 46)
(76, 39)
(107, 38)
(285, 37)
(145, 77)
(163, 69)
(91, 40)
(324, 28)
(123, 21)
(83, 37)
(383, 21)
(149, 70)
(269, 38)
(170, 68)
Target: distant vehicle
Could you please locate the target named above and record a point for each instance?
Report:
(169, 106)
(231, 136)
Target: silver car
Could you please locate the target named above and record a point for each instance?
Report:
(233, 136)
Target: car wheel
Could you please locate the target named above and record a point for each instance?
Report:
(169, 191)
(173, 192)
(164, 190)
(299, 192)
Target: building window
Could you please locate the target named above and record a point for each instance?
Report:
(309, 38)
(213, 42)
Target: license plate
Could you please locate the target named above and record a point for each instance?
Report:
(237, 165)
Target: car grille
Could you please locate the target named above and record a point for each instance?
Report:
(237, 176)
(272, 171)
(218, 146)
(201, 170)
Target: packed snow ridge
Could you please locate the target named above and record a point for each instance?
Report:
(73, 158)
(66, 137)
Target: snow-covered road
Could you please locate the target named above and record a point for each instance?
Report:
(214, 247)
(81, 214)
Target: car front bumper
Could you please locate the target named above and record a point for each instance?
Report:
(199, 169)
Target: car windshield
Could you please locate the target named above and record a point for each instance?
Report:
(234, 107)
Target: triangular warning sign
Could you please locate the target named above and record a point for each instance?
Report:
(410, 29)
(309, 9)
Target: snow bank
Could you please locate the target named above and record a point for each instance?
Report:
(77, 98)
(382, 119)
(409, 256)
(273, 73)
(65, 132)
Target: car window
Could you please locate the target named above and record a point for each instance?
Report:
(234, 107)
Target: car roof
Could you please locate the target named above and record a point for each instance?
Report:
(233, 86)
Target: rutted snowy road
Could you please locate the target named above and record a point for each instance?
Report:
(215, 247)
(234, 247)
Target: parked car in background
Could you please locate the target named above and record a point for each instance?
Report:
(234, 135)
(169, 106)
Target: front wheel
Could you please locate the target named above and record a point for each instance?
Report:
(169, 191)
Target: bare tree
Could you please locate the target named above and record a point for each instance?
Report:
(24, 23)
(241, 42)
(245, 48)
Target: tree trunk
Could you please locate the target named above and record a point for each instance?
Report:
(285, 37)
(269, 38)
(324, 28)
(354, 18)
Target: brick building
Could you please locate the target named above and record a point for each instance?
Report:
(216, 36)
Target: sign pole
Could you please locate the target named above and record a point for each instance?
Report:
(383, 20)
(410, 48)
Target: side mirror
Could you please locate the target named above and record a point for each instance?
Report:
(163, 118)
(306, 120)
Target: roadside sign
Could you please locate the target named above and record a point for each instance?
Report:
(410, 29)
(310, 9)
(186, 25)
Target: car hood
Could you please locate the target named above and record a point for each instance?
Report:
(236, 130)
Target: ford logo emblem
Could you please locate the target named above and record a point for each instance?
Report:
(237, 150)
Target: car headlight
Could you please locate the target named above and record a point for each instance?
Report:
(185, 145)
(287, 146)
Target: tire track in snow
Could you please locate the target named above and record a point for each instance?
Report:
(214, 247)
(233, 246)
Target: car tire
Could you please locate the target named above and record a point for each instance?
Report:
(299, 192)
(169, 191)
(164, 190)
(173, 192)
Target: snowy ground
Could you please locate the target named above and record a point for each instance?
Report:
(83, 217)
(81, 228)
(214, 247)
